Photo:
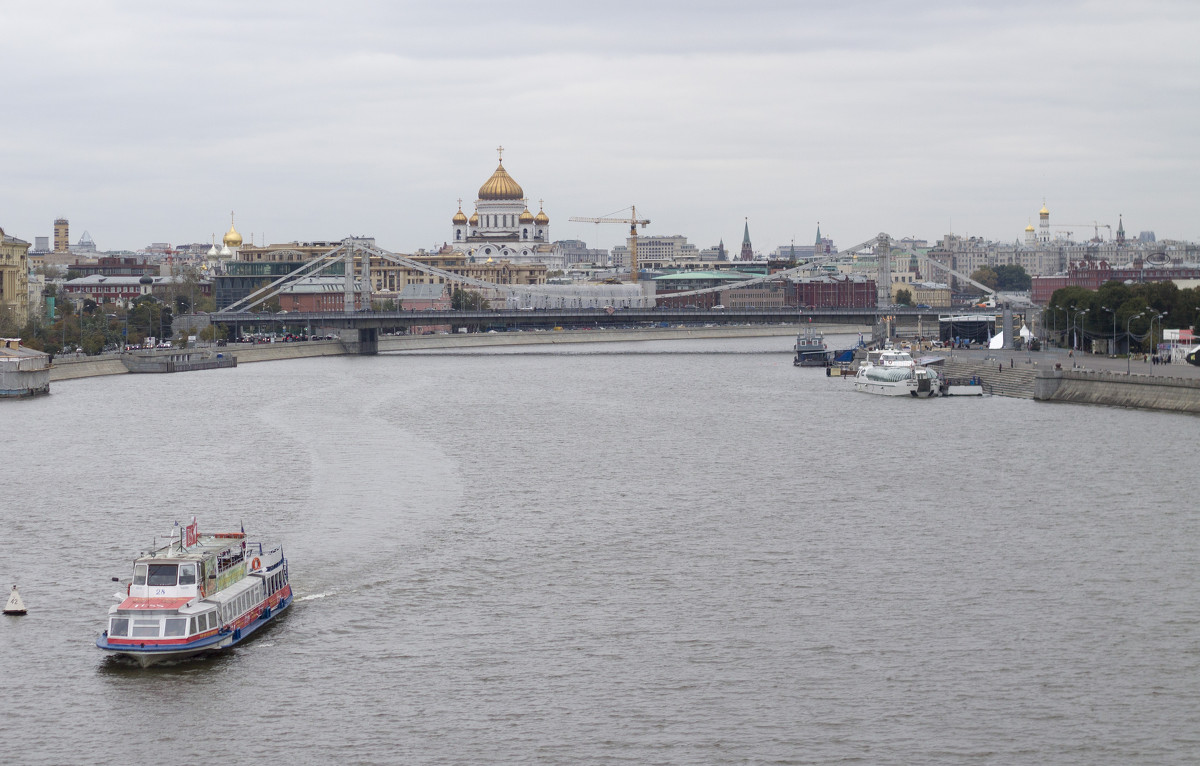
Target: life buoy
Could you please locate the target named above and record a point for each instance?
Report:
(256, 564)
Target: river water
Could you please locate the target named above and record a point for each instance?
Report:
(667, 552)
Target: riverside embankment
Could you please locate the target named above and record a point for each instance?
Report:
(1049, 376)
(110, 364)
(1053, 376)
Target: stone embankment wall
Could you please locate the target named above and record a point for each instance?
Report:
(86, 367)
(1147, 392)
(269, 352)
(1113, 389)
(470, 340)
(82, 367)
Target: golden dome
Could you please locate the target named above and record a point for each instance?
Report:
(1029, 227)
(475, 218)
(501, 186)
(1043, 212)
(232, 238)
(459, 219)
(542, 218)
(525, 217)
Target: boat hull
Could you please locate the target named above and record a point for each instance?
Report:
(884, 389)
(147, 654)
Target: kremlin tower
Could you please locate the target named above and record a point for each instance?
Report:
(747, 250)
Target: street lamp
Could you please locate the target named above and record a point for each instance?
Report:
(1077, 318)
(1112, 351)
(1153, 348)
(1127, 351)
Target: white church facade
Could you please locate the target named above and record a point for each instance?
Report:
(502, 228)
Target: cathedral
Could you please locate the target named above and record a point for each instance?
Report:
(502, 227)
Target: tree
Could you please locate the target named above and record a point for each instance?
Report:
(904, 297)
(9, 326)
(466, 300)
(1012, 278)
(150, 317)
(213, 332)
(183, 292)
(986, 276)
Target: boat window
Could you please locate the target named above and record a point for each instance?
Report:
(119, 627)
(176, 626)
(212, 620)
(187, 574)
(145, 628)
(161, 575)
(139, 574)
(196, 625)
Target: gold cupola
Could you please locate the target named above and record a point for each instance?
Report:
(1044, 212)
(459, 219)
(542, 219)
(232, 238)
(474, 218)
(501, 186)
(526, 216)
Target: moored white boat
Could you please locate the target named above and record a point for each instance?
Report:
(197, 594)
(890, 372)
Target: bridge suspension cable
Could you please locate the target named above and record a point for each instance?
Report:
(348, 250)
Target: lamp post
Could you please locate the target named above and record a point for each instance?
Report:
(1127, 323)
(1077, 318)
(1153, 348)
(1112, 351)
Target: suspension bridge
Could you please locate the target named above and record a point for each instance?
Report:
(368, 324)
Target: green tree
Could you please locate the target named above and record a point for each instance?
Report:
(149, 317)
(1012, 278)
(466, 300)
(213, 332)
(904, 297)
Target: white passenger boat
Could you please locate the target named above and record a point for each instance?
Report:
(197, 594)
(892, 372)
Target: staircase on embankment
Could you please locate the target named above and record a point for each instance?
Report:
(1000, 379)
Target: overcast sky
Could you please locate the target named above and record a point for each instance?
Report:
(150, 121)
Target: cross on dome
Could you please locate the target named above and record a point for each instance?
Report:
(500, 151)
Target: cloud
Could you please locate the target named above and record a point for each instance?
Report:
(148, 121)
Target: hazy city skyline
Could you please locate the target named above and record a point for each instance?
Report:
(143, 122)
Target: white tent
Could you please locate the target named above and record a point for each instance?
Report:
(997, 340)
(1025, 332)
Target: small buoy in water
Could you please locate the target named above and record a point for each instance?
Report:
(15, 605)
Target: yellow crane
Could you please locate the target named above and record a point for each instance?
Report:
(633, 222)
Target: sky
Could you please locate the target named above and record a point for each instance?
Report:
(150, 122)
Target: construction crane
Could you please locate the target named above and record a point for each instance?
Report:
(1096, 226)
(633, 222)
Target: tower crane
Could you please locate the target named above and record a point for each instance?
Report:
(1096, 226)
(633, 222)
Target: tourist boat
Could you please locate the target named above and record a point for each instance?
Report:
(810, 348)
(197, 594)
(892, 372)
